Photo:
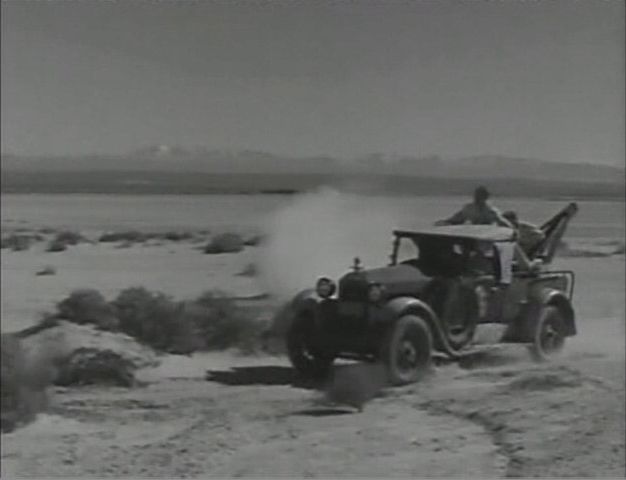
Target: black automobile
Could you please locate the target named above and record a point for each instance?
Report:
(440, 284)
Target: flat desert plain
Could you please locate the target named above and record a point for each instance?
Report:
(224, 414)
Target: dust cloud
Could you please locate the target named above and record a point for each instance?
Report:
(321, 233)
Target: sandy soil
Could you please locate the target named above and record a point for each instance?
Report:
(506, 417)
(225, 415)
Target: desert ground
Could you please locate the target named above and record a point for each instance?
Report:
(225, 414)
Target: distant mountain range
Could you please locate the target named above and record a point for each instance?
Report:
(162, 167)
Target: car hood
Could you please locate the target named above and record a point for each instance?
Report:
(397, 280)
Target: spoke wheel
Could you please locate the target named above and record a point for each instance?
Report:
(548, 337)
(407, 350)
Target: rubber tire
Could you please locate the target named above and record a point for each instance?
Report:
(309, 365)
(421, 340)
(552, 314)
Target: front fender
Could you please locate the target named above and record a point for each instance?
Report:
(282, 319)
(306, 299)
(558, 299)
(400, 306)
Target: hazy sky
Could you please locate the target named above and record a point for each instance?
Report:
(527, 78)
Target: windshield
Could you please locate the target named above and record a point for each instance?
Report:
(407, 251)
(434, 256)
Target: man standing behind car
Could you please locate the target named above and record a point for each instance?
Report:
(528, 235)
(478, 212)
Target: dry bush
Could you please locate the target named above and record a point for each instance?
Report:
(87, 366)
(24, 382)
(155, 320)
(69, 238)
(206, 323)
(56, 246)
(209, 322)
(88, 306)
(130, 236)
(254, 241)
(174, 236)
(222, 324)
(47, 270)
(250, 270)
(225, 243)
(63, 239)
(17, 242)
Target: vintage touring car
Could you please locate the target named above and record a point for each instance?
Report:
(440, 284)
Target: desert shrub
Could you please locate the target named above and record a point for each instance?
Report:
(225, 243)
(90, 365)
(56, 246)
(17, 242)
(63, 239)
(128, 236)
(250, 270)
(222, 324)
(88, 306)
(253, 241)
(156, 320)
(210, 322)
(174, 236)
(69, 238)
(47, 270)
(23, 384)
(207, 323)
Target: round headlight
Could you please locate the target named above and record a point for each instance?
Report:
(325, 287)
(375, 292)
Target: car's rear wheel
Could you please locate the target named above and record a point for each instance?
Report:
(547, 332)
(407, 350)
(309, 362)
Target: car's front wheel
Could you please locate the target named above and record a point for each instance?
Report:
(407, 350)
(308, 361)
(548, 338)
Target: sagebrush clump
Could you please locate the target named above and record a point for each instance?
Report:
(156, 320)
(209, 322)
(19, 242)
(222, 324)
(63, 239)
(88, 306)
(131, 236)
(225, 243)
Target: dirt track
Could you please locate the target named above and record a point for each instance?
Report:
(507, 418)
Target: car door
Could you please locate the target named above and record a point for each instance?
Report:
(490, 295)
(515, 297)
